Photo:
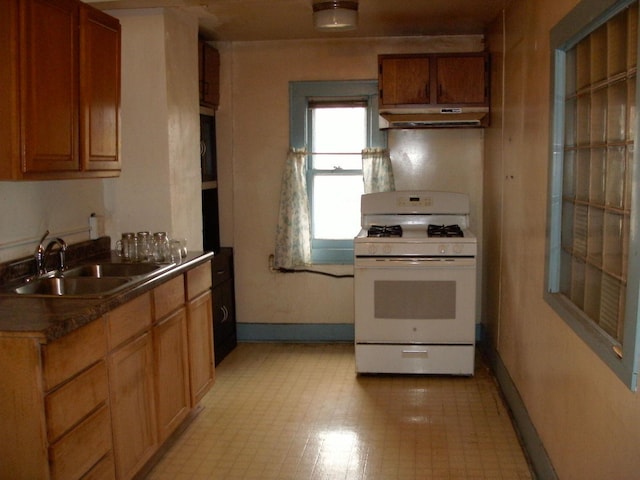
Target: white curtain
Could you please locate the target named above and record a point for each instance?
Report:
(293, 235)
(377, 171)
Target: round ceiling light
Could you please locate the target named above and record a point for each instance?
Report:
(335, 15)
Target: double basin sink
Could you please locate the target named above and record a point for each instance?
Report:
(88, 281)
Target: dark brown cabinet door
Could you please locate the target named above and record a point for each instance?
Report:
(433, 80)
(99, 90)
(209, 75)
(49, 86)
(462, 80)
(404, 81)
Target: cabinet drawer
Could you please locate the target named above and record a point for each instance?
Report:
(105, 469)
(198, 280)
(168, 297)
(128, 320)
(76, 399)
(222, 266)
(73, 353)
(78, 451)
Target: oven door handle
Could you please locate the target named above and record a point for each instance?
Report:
(414, 262)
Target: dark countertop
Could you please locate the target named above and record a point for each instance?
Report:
(53, 317)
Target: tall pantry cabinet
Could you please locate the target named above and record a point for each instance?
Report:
(224, 321)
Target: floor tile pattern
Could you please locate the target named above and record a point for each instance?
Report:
(298, 412)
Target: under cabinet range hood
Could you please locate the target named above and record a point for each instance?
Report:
(442, 117)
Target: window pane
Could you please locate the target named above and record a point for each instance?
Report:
(336, 206)
(339, 129)
(596, 205)
(337, 162)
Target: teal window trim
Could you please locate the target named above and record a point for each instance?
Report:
(300, 94)
(586, 17)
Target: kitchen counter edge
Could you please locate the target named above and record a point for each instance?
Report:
(53, 318)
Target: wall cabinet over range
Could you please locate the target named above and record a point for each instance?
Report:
(433, 79)
(60, 71)
(434, 89)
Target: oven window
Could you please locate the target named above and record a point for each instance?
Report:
(415, 300)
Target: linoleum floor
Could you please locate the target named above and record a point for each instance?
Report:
(299, 411)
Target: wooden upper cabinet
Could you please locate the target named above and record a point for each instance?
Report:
(49, 85)
(404, 80)
(209, 75)
(99, 90)
(460, 79)
(61, 77)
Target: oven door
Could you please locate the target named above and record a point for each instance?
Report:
(427, 300)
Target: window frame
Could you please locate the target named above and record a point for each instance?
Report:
(301, 94)
(584, 19)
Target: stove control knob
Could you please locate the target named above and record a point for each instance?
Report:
(458, 249)
(386, 249)
(442, 249)
(372, 249)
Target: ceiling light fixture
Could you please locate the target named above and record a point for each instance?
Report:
(335, 15)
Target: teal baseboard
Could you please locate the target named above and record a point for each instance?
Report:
(295, 332)
(540, 461)
(303, 332)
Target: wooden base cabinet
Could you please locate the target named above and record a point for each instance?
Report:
(99, 402)
(200, 331)
(54, 406)
(133, 405)
(200, 352)
(171, 357)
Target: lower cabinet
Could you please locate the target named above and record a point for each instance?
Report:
(54, 406)
(133, 405)
(200, 352)
(224, 316)
(99, 402)
(170, 349)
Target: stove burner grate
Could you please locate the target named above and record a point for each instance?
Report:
(444, 231)
(384, 231)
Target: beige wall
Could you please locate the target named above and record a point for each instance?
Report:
(28, 209)
(159, 186)
(587, 418)
(253, 138)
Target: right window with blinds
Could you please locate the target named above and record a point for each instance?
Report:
(591, 281)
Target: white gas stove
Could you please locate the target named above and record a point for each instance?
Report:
(415, 280)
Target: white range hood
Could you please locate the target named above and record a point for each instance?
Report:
(441, 117)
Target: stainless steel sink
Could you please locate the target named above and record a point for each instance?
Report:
(72, 287)
(93, 280)
(106, 270)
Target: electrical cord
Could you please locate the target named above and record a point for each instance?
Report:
(317, 272)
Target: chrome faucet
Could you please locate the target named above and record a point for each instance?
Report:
(62, 250)
(39, 255)
(42, 253)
